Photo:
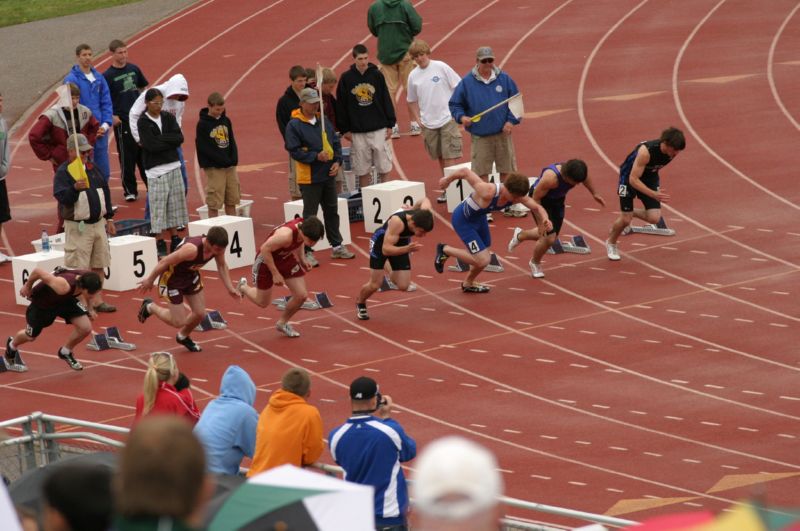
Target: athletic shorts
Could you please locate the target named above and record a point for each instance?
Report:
(173, 288)
(555, 211)
(371, 149)
(37, 319)
(497, 149)
(288, 267)
(627, 193)
(444, 142)
(473, 232)
(377, 259)
(222, 187)
(5, 208)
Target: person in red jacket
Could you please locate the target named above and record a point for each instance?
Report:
(166, 390)
(48, 136)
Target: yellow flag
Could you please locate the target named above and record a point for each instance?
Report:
(326, 145)
(77, 171)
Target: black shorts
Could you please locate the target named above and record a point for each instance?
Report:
(555, 211)
(38, 319)
(627, 193)
(5, 208)
(377, 259)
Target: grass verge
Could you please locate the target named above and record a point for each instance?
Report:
(20, 11)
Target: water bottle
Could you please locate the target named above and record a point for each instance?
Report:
(45, 242)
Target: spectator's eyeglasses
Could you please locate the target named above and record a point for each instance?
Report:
(487, 61)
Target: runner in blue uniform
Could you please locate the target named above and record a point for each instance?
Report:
(550, 190)
(469, 221)
(638, 177)
(392, 243)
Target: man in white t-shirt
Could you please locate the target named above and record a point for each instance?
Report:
(430, 86)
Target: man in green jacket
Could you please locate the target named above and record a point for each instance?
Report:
(395, 23)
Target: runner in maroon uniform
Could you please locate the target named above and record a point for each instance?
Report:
(65, 293)
(179, 278)
(280, 261)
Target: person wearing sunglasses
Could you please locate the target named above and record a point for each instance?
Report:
(492, 144)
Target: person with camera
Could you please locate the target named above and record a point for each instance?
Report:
(370, 447)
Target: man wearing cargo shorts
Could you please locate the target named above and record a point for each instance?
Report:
(365, 116)
(430, 86)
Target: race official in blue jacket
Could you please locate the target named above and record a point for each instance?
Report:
(370, 447)
(484, 86)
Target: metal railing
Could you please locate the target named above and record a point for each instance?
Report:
(42, 443)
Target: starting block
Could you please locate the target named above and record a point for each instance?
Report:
(388, 285)
(577, 246)
(111, 339)
(494, 266)
(212, 320)
(658, 229)
(319, 300)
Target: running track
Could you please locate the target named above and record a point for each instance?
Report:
(665, 382)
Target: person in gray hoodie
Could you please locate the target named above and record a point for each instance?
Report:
(227, 427)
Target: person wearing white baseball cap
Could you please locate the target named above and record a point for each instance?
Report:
(456, 486)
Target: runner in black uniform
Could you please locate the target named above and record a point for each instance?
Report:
(65, 293)
(638, 177)
(392, 243)
(179, 278)
(550, 190)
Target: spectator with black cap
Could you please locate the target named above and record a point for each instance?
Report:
(370, 447)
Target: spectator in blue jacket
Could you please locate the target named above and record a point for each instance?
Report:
(316, 167)
(486, 85)
(227, 427)
(370, 447)
(96, 96)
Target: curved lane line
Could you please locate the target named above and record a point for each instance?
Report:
(770, 69)
(698, 138)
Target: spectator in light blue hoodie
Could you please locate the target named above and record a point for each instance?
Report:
(227, 427)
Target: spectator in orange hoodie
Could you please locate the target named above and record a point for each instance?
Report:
(289, 428)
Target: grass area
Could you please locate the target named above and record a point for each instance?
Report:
(20, 11)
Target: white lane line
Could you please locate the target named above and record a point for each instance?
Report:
(712, 386)
(515, 432)
(709, 423)
(464, 384)
(515, 356)
(785, 397)
(478, 425)
(672, 417)
(404, 375)
(545, 360)
(587, 332)
(730, 467)
(635, 412)
(618, 448)
(578, 366)
(745, 428)
(583, 443)
(537, 476)
(693, 461)
(652, 454)
(748, 392)
(549, 437)
(309, 360)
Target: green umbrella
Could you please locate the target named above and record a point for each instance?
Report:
(298, 499)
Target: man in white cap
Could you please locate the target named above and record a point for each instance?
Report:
(486, 85)
(456, 487)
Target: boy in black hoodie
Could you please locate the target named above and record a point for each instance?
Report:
(218, 155)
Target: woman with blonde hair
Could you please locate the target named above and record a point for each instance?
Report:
(166, 390)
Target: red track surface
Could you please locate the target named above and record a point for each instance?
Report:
(665, 382)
